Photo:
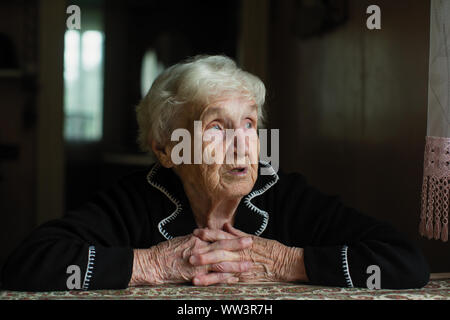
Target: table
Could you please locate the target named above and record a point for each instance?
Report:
(434, 290)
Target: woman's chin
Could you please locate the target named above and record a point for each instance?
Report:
(237, 190)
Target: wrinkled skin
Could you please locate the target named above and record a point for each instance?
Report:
(218, 256)
(213, 179)
(270, 260)
(168, 262)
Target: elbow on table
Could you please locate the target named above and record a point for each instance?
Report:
(416, 273)
(14, 279)
(21, 274)
(420, 275)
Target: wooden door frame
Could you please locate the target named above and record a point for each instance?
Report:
(49, 140)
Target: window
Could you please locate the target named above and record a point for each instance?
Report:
(151, 68)
(83, 84)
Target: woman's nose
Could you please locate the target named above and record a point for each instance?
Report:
(241, 141)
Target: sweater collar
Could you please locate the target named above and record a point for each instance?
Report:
(179, 220)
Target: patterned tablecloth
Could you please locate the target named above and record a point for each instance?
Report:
(435, 290)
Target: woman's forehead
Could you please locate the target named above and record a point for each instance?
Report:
(227, 105)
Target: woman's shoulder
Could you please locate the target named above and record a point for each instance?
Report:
(132, 183)
(136, 176)
(290, 179)
(294, 184)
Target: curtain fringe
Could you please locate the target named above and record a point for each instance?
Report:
(434, 213)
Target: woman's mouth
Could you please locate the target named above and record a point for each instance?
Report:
(238, 171)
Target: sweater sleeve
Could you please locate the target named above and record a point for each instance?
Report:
(95, 239)
(343, 247)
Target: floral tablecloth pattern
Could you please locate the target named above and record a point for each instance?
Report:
(434, 290)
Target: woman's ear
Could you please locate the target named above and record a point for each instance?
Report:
(163, 153)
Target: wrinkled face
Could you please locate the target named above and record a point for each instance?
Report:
(229, 148)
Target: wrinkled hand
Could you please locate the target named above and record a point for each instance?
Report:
(271, 260)
(172, 262)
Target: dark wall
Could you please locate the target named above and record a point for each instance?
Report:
(18, 50)
(351, 105)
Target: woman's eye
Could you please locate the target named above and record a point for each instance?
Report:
(248, 125)
(216, 126)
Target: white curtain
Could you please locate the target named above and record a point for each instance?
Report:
(435, 188)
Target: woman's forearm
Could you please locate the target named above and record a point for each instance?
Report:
(147, 270)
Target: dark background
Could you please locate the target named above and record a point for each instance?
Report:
(350, 103)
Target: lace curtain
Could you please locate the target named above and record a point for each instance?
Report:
(435, 187)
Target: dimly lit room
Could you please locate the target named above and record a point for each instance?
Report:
(349, 101)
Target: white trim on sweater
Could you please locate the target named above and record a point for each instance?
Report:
(259, 192)
(175, 201)
(179, 208)
(345, 268)
(89, 268)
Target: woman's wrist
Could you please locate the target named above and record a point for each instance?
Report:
(145, 268)
(293, 265)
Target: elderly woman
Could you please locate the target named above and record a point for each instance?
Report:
(211, 223)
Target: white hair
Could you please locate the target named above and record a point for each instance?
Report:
(196, 80)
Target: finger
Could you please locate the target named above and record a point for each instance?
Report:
(212, 235)
(230, 229)
(228, 244)
(216, 256)
(214, 278)
(196, 244)
(229, 267)
(199, 243)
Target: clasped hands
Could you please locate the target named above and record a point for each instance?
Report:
(209, 257)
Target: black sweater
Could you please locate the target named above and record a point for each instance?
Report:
(150, 206)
